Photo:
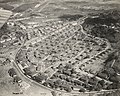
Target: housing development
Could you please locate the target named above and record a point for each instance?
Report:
(71, 55)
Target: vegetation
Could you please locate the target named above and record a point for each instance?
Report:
(24, 7)
(6, 6)
(12, 72)
(6, 1)
(70, 17)
(107, 25)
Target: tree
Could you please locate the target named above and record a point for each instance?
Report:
(56, 74)
(91, 88)
(103, 75)
(40, 77)
(112, 56)
(77, 82)
(82, 90)
(19, 35)
(27, 71)
(70, 17)
(17, 79)
(50, 83)
(60, 71)
(45, 84)
(62, 77)
(68, 88)
(98, 87)
(73, 71)
(12, 72)
(101, 82)
(68, 66)
(54, 93)
(111, 71)
(69, 79)
(114, 78)
(92, 81)
(57, 83)
(109, 87)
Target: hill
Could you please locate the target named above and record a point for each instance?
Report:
(107, 25)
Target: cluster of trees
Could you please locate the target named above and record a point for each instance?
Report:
(38, 77)
(114, 93)
(19, 34)
(107, 25)
(109, 74)
(68, 74)
(5, 5)
(13, 74)
(58, 83)
(70, 17)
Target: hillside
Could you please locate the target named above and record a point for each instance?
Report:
(107, 25)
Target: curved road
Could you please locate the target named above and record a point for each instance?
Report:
(30, 81)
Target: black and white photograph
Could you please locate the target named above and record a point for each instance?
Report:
(59, 47)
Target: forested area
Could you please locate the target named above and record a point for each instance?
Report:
(107, 25)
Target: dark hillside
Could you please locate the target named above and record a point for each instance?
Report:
(70, 17)
(6, 6)
(107, 25)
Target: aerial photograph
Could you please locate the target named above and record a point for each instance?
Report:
(59, 47)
